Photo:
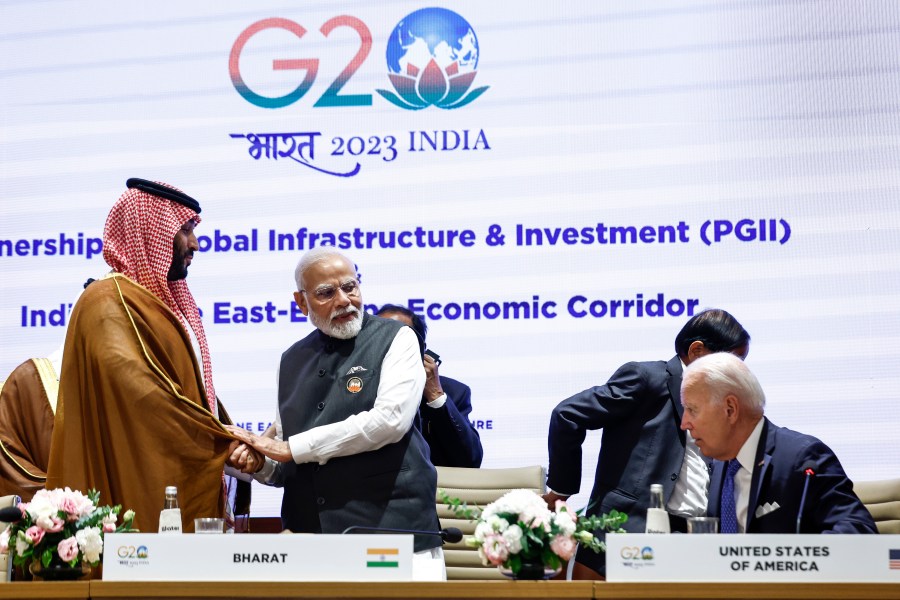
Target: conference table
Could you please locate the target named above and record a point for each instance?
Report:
(451, 590)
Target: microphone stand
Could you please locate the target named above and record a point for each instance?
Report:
(809, 471)
(449, 534)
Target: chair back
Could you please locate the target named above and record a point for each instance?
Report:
(477, 487)
(882, 498)
(5, 562)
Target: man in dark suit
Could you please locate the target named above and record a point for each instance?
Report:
(446, 404)
(639, 410)
(765, 478)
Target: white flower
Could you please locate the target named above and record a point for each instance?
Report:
(522, 517)
(566, 523)
(41, 508)
(585, 537)
(4, 541)
(129, 515)
(22, 544)
(525, 506)
(515, 501)
(537, 516)
(91, 543)
(513, 538)
(482, 530)
(497, 524)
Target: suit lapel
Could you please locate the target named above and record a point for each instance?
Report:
(764, 451)
(716, 478)
(673, 369)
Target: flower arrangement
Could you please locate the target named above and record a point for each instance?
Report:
(518, 531)
(63, 527)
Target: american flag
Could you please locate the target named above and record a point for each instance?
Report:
(894, 559)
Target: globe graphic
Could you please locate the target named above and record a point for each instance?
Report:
(432, 33)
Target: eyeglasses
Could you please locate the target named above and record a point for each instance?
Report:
(327, 293)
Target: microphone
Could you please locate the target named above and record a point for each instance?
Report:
(10, 514)
(809, 470)
(448, 534)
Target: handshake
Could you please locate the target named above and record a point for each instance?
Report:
(248, 452)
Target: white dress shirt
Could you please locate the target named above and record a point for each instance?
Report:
(396, 405)
(689, 498)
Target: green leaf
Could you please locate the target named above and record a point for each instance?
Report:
(514, 563)
(550, 559)
(460, 509)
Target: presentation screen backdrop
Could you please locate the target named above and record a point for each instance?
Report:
(556, 187)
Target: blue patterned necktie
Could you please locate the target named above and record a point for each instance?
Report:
(729, 510)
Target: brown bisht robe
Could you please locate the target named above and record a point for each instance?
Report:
(27, 401)
(132, 415)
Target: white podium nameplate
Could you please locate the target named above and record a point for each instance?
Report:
(256, 557)
(753, 558)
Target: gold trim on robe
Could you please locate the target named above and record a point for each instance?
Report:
(26, 425)
(50, 380)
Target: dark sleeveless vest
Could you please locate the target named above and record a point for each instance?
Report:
(391, 487)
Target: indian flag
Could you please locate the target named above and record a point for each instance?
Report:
(382, 557)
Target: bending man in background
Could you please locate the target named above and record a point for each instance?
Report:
(639, 410)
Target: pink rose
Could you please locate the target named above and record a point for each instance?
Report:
(68, 549)
(56, 525)
(561, 506)
(68, 505)
(495, 549)
(563, 546)
(34, 534)
(109, 527)
(74, 503)
(536, 517)
(539, 522)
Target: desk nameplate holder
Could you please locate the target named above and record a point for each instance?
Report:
(257, 557)
(753, 558)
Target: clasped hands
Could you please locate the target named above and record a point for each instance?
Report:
(248, 450)
(244, 458)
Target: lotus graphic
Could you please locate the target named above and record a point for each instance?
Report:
(432, 56)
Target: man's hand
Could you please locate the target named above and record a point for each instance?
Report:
(274, 449)
(433, 389)
(551, 499)
(244, 458)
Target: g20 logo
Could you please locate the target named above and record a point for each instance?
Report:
(432, 58)
(635, 553)
(132, 552)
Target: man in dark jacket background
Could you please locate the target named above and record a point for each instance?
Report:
(639, 410)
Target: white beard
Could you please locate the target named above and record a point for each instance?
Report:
(344, 331)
